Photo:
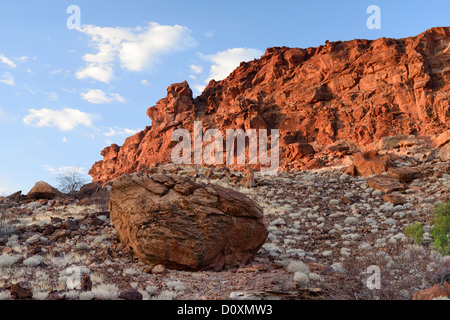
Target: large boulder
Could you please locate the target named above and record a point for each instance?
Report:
(369, 163)
(296, 151)
(444, 154)
(442, 139)
(42, 190)
(388, 143)
(183, 225)
(385, 184)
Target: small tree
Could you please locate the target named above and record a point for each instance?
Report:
(415, 233)
(441, 228)
(70, 182)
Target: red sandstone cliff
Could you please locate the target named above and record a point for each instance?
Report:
(357, 90)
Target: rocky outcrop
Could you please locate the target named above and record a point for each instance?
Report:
(173, 221)
(369, 163)
(439, 291)
(42, 190)
(358, 90)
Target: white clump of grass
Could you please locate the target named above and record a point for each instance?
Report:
(13, 241)
(337, 267)
(74, 295)
(315, 277)
(106, 291)
(270, 247)
(166, 295)
(176, 285)
(87, 296)
(40, 295)
(100, 239)
(33, 261)
(5, 295)
(97, 278)
(301, 278)
(7, 261)
(298, 267)
(145, 294)
(33, 239)
(130, 272)
(151, 289)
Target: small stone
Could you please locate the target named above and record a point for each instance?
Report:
(130, 294)
(395, 199)
(159, 270)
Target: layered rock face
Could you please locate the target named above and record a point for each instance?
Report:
(358, 90)
(173, 221)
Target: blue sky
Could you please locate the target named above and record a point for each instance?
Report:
(68, 93)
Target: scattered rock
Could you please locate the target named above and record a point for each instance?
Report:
(395, 199)
(249, 180)
(385, 184)
(404, 174)
(15, 196)
(296, 151)
(391, 142)
(130, 294)
(20, 293)
(86, 284)
(159, 270)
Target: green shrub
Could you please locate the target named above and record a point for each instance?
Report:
(415, 233)
(441, 229)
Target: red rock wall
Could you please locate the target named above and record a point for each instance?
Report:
(357, 90)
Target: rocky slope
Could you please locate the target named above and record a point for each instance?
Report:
(357, 90)
(325, 229)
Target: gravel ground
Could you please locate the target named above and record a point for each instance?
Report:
(316, 220)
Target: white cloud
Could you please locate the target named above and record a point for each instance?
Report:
(56, 71)
(198, 88)
(7, 61)
(64, 170)
(52, 96)
(22, 59)
(116, 131)
(97, 96)
(225, 62)
(196, 69)
(7, 117)
(145, 82)
(136, 48)
(65, 120)
(8, 79)
(64, 140)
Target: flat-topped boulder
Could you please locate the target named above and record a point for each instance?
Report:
(42, 190)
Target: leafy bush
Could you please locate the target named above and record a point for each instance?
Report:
(441, 229)
(415, 233)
